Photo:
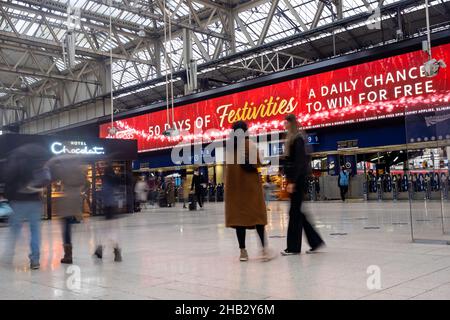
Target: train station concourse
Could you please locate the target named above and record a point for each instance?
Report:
(224, 158)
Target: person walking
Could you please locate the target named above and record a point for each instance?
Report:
(184, 190)
(26, 176)
(244, 199)
(69, 170)
(110, 183)
(170, 191)
(141, 190)
(296, 168)
(343, 182)
(197, 187)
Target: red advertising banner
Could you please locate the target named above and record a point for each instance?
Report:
(375, 90)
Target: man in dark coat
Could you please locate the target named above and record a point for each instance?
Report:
(296, 168)
(196, 185)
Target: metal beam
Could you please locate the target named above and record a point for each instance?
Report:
(200, 46)
(244, 30)
(25, 94)
(52, 45)
(296, 15)
(39, 74)
(138, 11)
(319, 11)
(265, 29)
(211, 4)
(9, 107)
(338, 5)
(37, 10)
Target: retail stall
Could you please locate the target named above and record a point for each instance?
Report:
(94, 154)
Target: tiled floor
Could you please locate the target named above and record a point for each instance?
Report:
(177, 254)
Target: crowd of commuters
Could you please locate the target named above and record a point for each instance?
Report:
(26, 175)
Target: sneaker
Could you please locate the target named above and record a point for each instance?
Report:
(314, 250)
(34, 265)
(244, 255)
(289, 253)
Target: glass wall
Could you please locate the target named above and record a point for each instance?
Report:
(428, 143)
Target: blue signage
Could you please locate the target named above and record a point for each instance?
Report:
(276, 149)
(312, 138)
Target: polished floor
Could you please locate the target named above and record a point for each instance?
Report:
(172, 253)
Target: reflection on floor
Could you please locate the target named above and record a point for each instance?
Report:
(177, 254)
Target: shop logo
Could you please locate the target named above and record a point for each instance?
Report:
(125, 134)
(75, 147)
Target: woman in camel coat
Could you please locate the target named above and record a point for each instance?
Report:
(244, 199)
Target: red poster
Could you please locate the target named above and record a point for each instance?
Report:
(370, 91)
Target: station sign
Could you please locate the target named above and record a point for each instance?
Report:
(313, 138)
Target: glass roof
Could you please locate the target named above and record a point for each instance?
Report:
(49, 22)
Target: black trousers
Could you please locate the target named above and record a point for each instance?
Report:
(299, 222)
(241, 233)
(199, 196)
(67, 230)
(344, 190)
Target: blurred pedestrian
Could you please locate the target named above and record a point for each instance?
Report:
(110, 184)
(296, 168)
(152, 188)
(196, 186)
(170, 191)
(343, 182)
(25, 177)
(244, 199)
(141, 190)
(68, 169)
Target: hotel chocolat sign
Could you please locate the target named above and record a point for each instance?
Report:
(375, 90)
(75, 148)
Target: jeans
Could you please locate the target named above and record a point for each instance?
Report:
(31, 211)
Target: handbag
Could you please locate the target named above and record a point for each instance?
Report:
(5, 209)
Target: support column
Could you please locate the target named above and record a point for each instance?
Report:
(157, 57)
(105, 76)
(231, 31)
(338, 5)
(189, 63)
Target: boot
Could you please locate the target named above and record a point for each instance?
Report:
(244, 255)
(67, 254)
(99, 252)
(117, 255)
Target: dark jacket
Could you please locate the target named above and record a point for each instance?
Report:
(297, 163)
(197, 183)
(20, 171)
(110, 183)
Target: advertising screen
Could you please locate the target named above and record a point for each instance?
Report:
(376, 90)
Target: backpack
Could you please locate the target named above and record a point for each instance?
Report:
(343, 179)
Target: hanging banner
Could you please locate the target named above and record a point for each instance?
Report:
(375, 90)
